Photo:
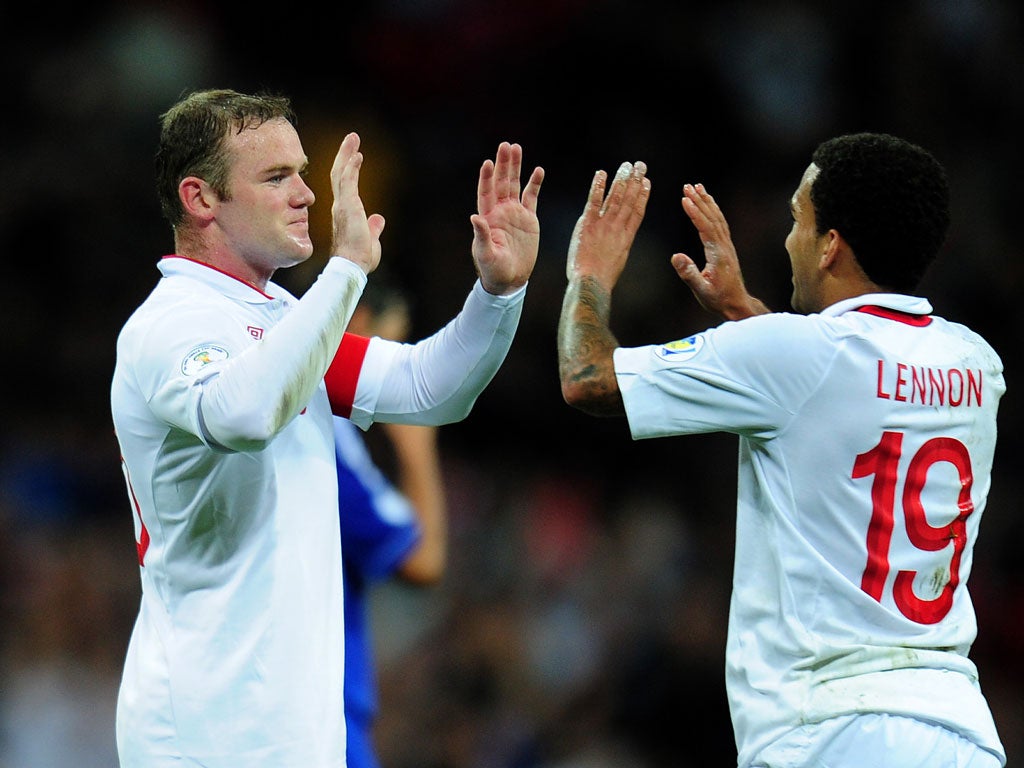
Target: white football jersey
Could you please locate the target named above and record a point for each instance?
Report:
(236, 657)
(866, 439)
(225, 423)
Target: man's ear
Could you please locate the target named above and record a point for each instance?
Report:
(197, 197)
(833, 246)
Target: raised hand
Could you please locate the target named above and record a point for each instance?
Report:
(506, 231)
(719, 287)
(598, 252)
(355, 236)
(604, 233)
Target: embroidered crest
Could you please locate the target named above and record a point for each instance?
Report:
(201, 356)
(682, 349)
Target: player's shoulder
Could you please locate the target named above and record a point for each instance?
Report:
(172, 323)
(781, 330)
(958, 328)
(973, 344)
(176, 301)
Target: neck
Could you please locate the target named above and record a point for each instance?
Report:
(221, 258)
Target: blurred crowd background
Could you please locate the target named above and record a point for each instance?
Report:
(582, 622)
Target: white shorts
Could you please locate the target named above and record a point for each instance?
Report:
(892, 741)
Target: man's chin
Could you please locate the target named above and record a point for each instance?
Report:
(301, 249)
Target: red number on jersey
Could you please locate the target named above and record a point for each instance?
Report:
(882, 461)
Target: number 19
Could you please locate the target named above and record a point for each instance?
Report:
(882, 461)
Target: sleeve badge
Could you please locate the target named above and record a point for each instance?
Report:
(683, 349)
(201, 356)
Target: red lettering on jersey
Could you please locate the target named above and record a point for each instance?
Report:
(901, 381)
(879, 393)
(956, 389)
(930, 386)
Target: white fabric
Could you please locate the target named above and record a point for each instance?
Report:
(227, 439)
(889, 741)
(438, 379)
(237, 654)
(807, 396)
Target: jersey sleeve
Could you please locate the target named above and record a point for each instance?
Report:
(208, 378)
(437, 380)
(741, 377)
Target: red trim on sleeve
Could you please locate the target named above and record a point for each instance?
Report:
(343, 374)
(894, 314)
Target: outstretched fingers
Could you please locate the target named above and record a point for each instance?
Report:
(354, 236)
(595, 200)
(611, 217)
(500, 180)
(509, 167)
(506, 231)
(495, 177)
(343, 167)
(627, 199)
(718, 286)
(532, 191)
(485, 187)
(705, 214)
(637, 195)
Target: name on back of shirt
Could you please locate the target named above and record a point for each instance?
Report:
(907, 383)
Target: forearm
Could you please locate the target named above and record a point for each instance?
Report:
(256, 395)
(437, 380)
(585, 348)
(421, 480)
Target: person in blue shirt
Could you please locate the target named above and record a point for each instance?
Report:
(389, 528)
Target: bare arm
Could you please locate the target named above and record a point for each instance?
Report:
(416, 453)
(585, 347)
(598, 252)
(420, 479)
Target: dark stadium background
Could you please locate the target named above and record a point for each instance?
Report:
(582, 622)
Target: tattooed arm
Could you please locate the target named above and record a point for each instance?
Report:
(598, 253)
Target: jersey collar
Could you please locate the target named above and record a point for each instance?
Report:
(225, 284)
(910, 305)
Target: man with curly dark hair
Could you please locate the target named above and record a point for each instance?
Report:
(867, 429)
(861, 174)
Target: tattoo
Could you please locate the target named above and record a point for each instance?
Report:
(585, 347)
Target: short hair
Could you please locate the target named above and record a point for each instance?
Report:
(192, 134)
(888, 198)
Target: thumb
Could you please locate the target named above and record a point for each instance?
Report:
(686, 269)
(481, 229)
(376, 224)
